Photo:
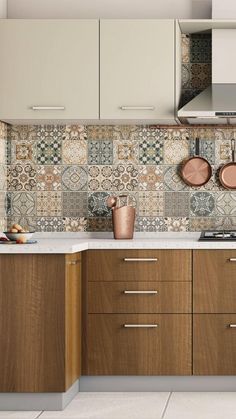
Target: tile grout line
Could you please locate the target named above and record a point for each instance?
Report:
(166, 405)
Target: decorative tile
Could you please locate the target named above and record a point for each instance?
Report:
(187, 95)
(3, 131)
(49, 224)
(150, 178)
(153, 133)
(175, 151)
(177, 224)
(75, 224)
(150, 224)
(49, 178)
(125, 178)
(97, 206)
(202, 133)
(22, 204)
(200, 76)
(176, 134)
(21, 177)
(99, 224)
(49, 151)
(126, 151)
(75, 132)
(185, 47)
(74, 152)
(3, 178)
(202, 223)
(28, 223)
(50, 133)
(226, 203)
(206, 149)
(49, 204)
(223, 153)
(3, 146)
(128, 199)
(176, 204)
(74, 178)
(22, 143)
(186, 76)
(150, 152)
(100, 132)
(172, 179)
(74, 204)
(224, 134)
(3, 224)
(2, 205)
(100, 152)
(225, 223)
(125, 132)
(202, 204)
(200, 48)
(151, 204)
(100, 178)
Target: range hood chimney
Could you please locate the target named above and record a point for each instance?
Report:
(217, 103)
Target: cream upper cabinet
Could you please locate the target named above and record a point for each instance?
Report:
(49, 70)
(137, 70)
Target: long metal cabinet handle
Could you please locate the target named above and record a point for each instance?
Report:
(232, 259)
(141, 325)
(140, 259)
(140, 292)
(48, 108)
(137, 108)
(232, 326)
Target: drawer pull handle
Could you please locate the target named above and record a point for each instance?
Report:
(140, 259)
(48, 108)
(137, 108)
(73, 262)
(140, 325)
(232, 259)
(140, 292)
(232, 326)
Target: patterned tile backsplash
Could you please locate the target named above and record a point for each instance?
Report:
(57, 178)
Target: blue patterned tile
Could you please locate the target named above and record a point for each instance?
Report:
(100, 152)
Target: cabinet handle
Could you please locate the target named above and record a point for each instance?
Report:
(140, 259)
(48, 108)
(232, 326)
(137, 108)
(73, 262)
(232, 260)
(140, 292)
(140, 325)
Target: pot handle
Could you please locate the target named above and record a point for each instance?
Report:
(233, 149)
(197, 146)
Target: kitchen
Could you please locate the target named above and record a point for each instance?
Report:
(107, 111)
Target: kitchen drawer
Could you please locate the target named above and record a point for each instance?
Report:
(138, 265)
(113, 349)
(214, 281)
(139, 297)
(214, 344)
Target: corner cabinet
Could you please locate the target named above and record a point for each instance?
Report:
(40, 322)
(137, 70)
(49, 70)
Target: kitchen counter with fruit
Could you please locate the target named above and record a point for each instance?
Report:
(62, 243)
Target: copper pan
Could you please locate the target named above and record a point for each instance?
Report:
(196, 171)
(228, 171)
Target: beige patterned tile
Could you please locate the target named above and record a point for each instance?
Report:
(100, 178)
(75, 132)
(75, 224)
(74, 152)
(150, 178)
(49, 204)
(175, 151)
(185, 48)
(100, 132)
(177, 224)
(125, 132)
(151, 204)
(3, 131)
(126, 151)
(49, 178)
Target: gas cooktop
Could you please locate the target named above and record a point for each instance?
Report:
(224, 235)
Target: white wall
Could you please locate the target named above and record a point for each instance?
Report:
(3, 9)
(184, 9)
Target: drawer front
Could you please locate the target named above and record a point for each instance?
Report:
(214, 281)
(214, 344)
(148, 345)
(139, 297)
(138, 265)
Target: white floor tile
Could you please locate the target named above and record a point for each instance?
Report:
(19, 415)
(113, 406)
(201, 406)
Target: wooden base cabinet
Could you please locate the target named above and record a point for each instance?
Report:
(214, 344)
(39, 322)
(143, 344)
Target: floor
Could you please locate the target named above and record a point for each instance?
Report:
(141, 406)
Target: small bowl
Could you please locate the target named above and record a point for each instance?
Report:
(19, 236)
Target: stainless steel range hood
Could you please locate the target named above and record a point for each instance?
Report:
(217, 103)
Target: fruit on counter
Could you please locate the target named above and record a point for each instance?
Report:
(16, 228)
(21, 241)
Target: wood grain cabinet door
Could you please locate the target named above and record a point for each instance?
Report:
(138, 265)
(138, 344)
(214, 281)
(214, 344)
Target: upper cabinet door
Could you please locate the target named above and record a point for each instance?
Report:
(137, 70)
(49, 69)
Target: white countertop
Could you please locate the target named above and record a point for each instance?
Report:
(77, 242)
